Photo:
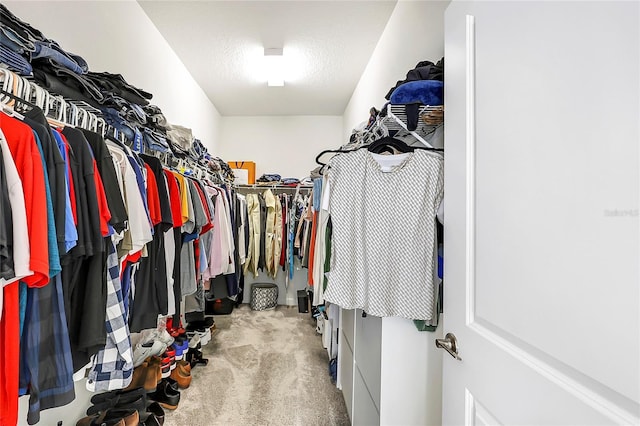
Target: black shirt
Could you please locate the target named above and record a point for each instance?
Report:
(56, 170)
(86, 195)
(107, 171)
(263, 234)
(163, 193)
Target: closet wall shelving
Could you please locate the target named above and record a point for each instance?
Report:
(394, 123)
(398, 120)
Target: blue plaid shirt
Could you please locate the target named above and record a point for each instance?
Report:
(112, 367)
(46, 370)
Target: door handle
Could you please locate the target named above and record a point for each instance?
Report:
(449, 344)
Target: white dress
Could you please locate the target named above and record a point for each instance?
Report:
(384, 232)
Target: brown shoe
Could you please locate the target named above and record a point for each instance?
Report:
(99, 420)
(182, 377)
(144, 376)
(184, 365)
(156, 363)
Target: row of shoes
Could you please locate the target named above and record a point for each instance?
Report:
(131, 407)
(163, 363)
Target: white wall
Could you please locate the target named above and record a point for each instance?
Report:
(286, 145)
(119, 37)
(414, 33)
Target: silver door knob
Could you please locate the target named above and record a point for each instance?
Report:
(449, 344)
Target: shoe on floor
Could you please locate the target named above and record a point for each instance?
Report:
(166, 396)
(144, 376)
(135, 399)
(114, 417)
(182, 376)
(206, 323)
(143, 351)
(154, 415)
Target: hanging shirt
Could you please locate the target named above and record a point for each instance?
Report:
(20, 234)
(262, 261)
(269, 233)
(219, 249)
(6, 230)
(139, 232)
(54, 256)
(175, 199)
(375, 265)
(242, 251)
(28, 161)
(70, 230)
(64, 144)
(110, 181)
(153, 199)
(55, 168)
(253, 251)
(103, 206)
(89, 215)
(112, 366)
(184, 197)
(229, 260)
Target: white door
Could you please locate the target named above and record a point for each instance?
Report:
(541, 213)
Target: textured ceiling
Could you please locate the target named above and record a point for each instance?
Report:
(327, 45)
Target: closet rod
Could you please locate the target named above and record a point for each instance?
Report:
(275, 186)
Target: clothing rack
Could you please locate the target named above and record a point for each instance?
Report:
(14, 87)
(274, 187)
(61, 111)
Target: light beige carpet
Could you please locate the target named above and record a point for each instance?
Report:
(265, 368)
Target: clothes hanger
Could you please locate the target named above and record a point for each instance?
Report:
(378, 146)
(10, 108)
(389, 144)
(7, 79)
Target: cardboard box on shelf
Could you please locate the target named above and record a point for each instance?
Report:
(249, 166)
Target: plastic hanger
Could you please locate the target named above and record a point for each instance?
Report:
(389, 144)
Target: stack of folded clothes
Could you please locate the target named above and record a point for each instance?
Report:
(269, 179)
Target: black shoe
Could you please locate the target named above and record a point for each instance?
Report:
(154, 415)
(165, 395)
(102, 397)
(129, 400)
(206, 323)
(194, 357)
(173, 384)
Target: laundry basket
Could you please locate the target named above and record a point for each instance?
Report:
(264, 296)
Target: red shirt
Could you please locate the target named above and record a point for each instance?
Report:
(153, 199)
(28, 161)
(209, 224)
(174, 198)
(105, 213)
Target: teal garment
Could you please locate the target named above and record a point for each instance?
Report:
(54, 256)
(22, 296)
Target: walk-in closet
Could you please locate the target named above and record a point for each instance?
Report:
(384, 212)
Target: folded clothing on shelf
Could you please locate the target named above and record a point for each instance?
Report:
(269, 178)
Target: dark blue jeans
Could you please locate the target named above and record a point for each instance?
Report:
(56, 54)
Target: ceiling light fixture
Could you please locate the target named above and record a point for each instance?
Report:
(274, 66)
